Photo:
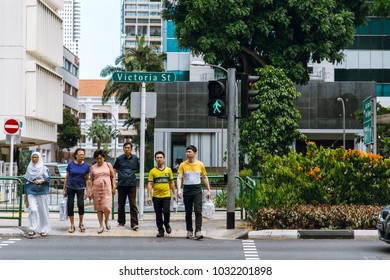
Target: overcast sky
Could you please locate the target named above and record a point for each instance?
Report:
(100, 36)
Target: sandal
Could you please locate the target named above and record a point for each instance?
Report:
(100, 230)
(108, 227)
(31, 233)
(44, 234)
(72, 229)
(81, 227)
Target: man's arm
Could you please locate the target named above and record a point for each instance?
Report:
(150, 187)
(172, 186)
(179, 178)
(207, 184)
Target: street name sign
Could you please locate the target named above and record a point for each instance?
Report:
(143, 77)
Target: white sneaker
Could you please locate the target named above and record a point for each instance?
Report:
(198, 235)
(190, 235)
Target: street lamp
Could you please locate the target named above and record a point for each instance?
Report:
(342, 102)
(202, 63)
(115, 136)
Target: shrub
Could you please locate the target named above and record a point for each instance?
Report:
(318, 217)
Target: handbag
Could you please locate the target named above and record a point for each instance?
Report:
(63, 209)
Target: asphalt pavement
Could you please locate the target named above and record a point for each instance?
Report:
(212, 228)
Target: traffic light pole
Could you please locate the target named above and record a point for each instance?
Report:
(232, 100)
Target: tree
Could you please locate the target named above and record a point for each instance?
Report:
(99, 132)
(69, 131)
(273, 128)
(143, 58)
(247, 34)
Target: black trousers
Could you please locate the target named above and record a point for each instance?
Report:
(193, 202)
(125, 193)
(162, 208)
(71, 193)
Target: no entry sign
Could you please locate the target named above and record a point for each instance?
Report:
(11, 126)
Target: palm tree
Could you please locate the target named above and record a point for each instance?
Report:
(143, 58)
(99, 132)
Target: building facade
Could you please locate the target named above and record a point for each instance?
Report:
(31, 50)
(113, 115)
(71, 16)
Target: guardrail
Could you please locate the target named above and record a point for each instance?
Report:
(11, 198)
(13, 204)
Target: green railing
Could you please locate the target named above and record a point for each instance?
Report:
(245, 190)
(248, 197)
(11, 198)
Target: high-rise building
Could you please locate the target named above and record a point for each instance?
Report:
(142, 17)
(71, 17)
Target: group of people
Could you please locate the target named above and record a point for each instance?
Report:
(99, 183)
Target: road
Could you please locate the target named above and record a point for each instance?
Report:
(125, 248)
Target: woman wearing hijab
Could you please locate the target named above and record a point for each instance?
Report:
(37, 189)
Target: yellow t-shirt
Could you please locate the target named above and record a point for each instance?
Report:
(160, 180)
(192, 173)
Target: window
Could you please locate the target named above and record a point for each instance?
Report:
(67, 64)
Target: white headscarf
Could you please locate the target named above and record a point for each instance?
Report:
(36, 171)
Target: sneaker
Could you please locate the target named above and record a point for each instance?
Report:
(160, 234)
(121, 225)
(168, 229)
(135, 228)
(190, 235)
(198, 235)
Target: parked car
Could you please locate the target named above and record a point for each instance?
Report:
(58, 173)
(383, 224)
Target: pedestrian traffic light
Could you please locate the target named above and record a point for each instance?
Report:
(217, 98)
(247, 92)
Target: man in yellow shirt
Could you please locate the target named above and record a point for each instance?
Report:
(160, 180)
(191, 171)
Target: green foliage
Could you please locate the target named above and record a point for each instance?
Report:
(69, 131)
(276, 121)
(253, 33)
(220, 200)
(318, 217)
(99, 133)
(323, 176)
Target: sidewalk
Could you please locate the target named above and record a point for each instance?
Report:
(215, 229)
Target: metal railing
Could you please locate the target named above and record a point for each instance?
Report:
(11, 198)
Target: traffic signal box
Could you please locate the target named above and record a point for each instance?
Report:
(247, 92)
(217, 98)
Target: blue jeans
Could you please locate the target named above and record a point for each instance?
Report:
(162, 207)
(193, 202)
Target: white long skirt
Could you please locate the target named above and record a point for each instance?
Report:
(38, 213)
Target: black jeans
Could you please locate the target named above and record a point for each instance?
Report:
(162, 206)
(71, 193)
(193, 202)
(131, 194)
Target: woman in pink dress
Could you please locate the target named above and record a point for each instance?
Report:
(103, 188)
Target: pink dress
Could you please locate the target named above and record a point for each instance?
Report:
(101, 187)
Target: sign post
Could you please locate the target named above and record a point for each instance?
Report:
(11, 126)
(369, 122)
(143, 78)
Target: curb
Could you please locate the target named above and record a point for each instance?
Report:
(313, 234)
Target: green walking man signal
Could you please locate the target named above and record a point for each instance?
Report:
(217, 98)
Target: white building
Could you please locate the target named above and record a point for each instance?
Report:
(30, 51)
(90, 100)
(71, 16)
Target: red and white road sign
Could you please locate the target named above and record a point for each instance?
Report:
(11, 126)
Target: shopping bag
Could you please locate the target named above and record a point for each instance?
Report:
(63, 209)
(208, 209)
